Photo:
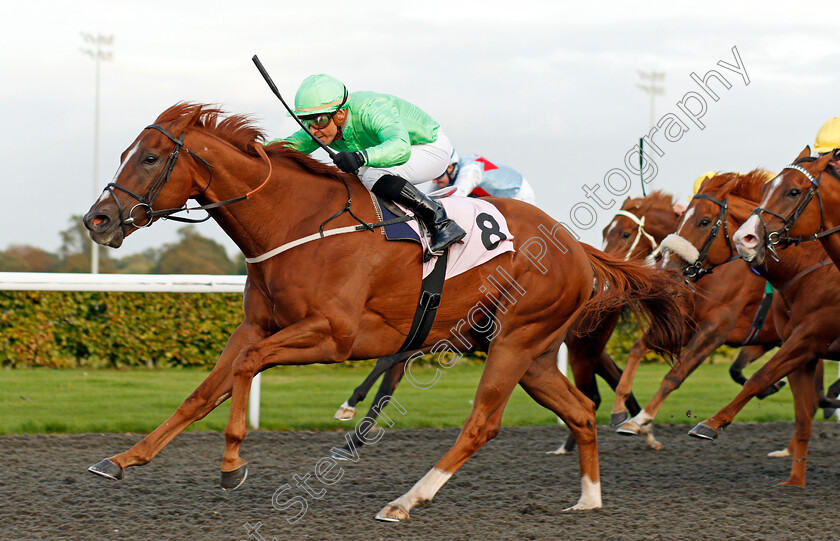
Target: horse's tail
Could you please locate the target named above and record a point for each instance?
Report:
(656, 295)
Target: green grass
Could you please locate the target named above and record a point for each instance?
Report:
(305, 398)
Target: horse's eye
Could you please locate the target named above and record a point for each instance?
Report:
(794, 192)
(150, 160)
(704, 222)
(625, 235)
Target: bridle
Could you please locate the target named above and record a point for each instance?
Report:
(772, 238)
(145, 202)
(640, 232)
(695, 270)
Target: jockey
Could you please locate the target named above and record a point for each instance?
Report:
(390, 143)
(476, 175)
(828, 137)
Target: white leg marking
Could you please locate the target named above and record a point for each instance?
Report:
(424, 490)
(590, 497)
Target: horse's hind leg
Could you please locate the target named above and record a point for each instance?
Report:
(805, 405)
(389, 383)
(501, 373)
(214, 390)
(584, 368)
(624, 389)
(545, 384)
(384, 364)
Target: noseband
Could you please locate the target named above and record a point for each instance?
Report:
(695, 271)
(640, 232)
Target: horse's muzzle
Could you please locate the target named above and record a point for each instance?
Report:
(104, 229)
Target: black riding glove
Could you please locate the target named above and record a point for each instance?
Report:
(349, 162)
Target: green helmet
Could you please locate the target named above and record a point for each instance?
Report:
(320, 94)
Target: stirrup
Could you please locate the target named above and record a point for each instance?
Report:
(428, 254)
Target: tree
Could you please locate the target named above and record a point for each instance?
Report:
(35, 259)
(194, 254)
(142, 263)
(11, 262)
(76, 247)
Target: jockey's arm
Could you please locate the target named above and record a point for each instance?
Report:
(468, 179)
(382, 118)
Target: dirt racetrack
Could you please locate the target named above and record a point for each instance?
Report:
(691, 489)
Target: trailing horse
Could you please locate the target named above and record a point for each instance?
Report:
(807, 316)
(352, 296)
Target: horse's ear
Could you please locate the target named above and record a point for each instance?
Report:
(626, 204)
(806, 152)
(823, 160)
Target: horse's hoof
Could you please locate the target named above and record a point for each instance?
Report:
(779, 454)
(559, 451)
(231, 480)
(828, 412)
(392, 513)
(704, 432)
(629, 428)
(617, 419)
(833, 390)
(342, 454)
(345, 412)
(107, 469)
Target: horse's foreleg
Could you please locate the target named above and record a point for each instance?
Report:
(214, 390)
(483, 423)
(305, 342)
(702, 344)
(624, 388)
(804, 399)
(795, 351)
(747, 355)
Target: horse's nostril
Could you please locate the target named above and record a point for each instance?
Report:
(97, 221)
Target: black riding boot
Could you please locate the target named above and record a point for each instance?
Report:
(443, 230)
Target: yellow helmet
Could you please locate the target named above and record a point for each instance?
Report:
(700, 180)
(828, 138)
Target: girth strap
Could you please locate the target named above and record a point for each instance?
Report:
(424, 316)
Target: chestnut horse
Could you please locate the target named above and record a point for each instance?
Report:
(633, 234)
(725, 311)
(807, 316)
(353, 296)
(798, 206)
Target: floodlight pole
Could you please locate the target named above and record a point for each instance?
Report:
(653, 77)
(98, 54)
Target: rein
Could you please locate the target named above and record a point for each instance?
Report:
(640, 231)
(145, 202)
(695, 270)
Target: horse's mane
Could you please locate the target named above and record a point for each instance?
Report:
(747, 185)
(657, 200)
(238, 130)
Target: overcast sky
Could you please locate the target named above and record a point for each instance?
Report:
(547, 87)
